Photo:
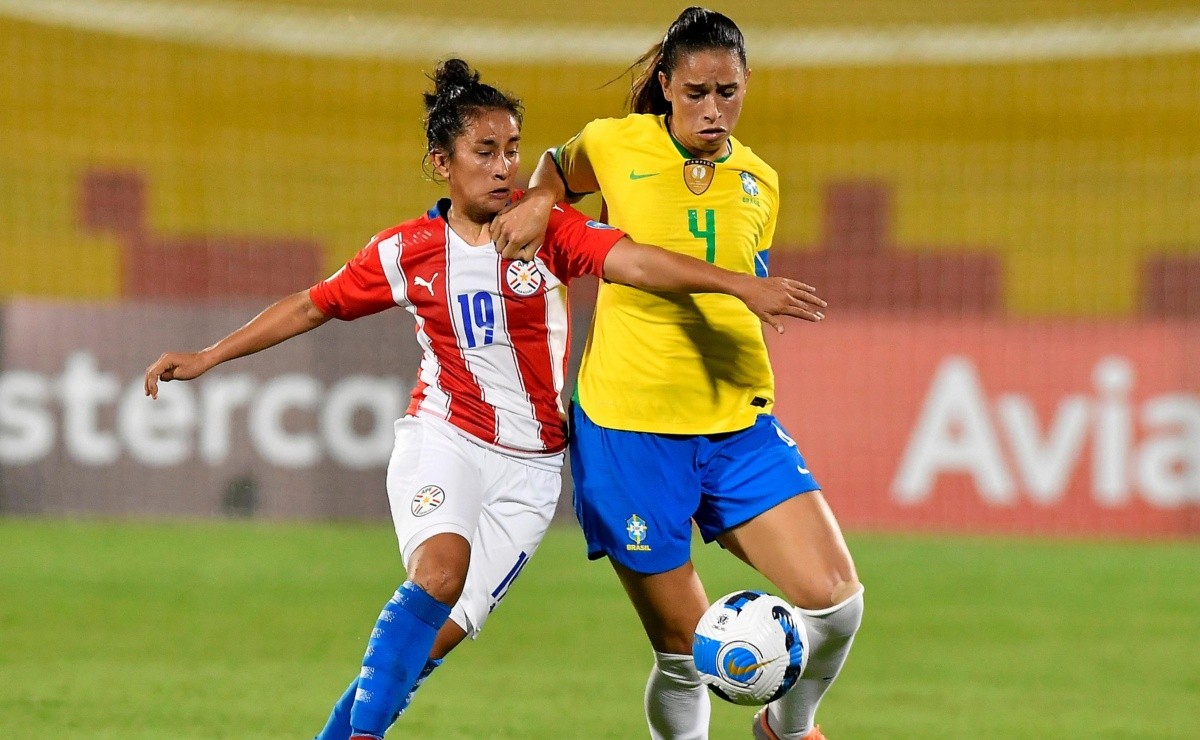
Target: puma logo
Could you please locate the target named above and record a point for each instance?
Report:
(427, 284)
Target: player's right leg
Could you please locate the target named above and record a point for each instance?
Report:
(670, 606)
(640, 518)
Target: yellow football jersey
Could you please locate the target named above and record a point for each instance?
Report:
(667, 363)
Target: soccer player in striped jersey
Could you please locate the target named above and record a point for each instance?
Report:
(672, 415)
(475, 473)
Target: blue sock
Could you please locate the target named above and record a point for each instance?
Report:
(337, 727)
(429, 666)
(396, 653)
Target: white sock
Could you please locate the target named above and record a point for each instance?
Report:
(830, 634)
(677, 705)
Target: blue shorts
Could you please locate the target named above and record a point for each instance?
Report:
(637, 493)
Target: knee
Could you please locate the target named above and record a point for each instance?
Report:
(439, 566)
(823, 593)
(440, 580)
(842, 618)
(678, 644)
(844, 590)
(674, 641)
(674, 633)
(850, 605)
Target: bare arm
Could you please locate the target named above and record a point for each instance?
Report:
(281, 321)
(656, 269)
(547, 179)
(519, 231)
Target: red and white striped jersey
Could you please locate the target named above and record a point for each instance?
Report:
(494, 332)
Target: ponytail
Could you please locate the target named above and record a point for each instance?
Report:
(645, 94)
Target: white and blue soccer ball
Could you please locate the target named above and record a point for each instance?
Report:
(750, 648)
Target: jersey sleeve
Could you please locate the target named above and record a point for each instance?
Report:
(577, 244)
(574, 159)
(359, 288)
(762, 258)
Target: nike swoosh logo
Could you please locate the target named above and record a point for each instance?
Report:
(802, 471)
(633, 175)
(738, 672)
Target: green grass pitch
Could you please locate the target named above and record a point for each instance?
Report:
(153, 630)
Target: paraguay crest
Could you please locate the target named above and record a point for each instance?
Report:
(524, 278)
(698, 175)
(427, 499)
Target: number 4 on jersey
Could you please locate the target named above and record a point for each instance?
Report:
(709, 234)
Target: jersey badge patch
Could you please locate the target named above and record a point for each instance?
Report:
(749, 184)
(636, 528)
(523, 278)
(427, 500)
(698, 175)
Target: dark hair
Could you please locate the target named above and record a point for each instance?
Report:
(457, 97)
(696, 29)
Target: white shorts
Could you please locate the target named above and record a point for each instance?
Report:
(440, 481)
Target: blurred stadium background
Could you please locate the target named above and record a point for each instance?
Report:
(1001, 201)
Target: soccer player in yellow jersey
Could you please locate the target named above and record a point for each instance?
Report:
(672, 417)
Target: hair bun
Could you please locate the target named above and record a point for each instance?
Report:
(452, 77)
(456, 98)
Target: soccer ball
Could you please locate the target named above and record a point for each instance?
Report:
(750, 648)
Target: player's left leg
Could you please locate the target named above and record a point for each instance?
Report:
(435, 490)
(764, 506)
(517, 507)
(515, 510)
(798, 546)
(337, 727)
(405, 631)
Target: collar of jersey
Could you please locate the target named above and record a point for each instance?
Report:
(683, 150)
(440, 209)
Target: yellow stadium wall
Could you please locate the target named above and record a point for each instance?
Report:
(1071, 173)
